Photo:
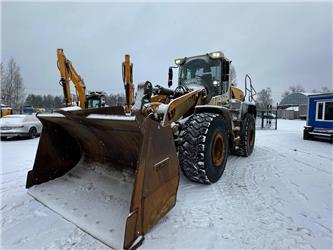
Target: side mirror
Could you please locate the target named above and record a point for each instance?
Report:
(170, 76)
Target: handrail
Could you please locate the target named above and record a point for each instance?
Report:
(250, 89)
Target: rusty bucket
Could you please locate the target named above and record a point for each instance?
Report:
(113, 175)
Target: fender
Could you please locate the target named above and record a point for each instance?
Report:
(250, 108)
(218, 110)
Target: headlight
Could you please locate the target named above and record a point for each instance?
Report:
(216, 83)
(179, 61)
(216, 54)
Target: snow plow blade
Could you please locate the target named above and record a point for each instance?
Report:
(113, 175)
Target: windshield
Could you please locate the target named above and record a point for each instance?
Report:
(94, 103)
(200, 69)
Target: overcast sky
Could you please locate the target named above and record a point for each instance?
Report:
(278, 44)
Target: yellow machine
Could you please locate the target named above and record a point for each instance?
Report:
(94, 99)
(126, 160)
(6, 110)
(237, 93)
(128, 83)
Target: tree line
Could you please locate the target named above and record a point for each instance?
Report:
(50, 102)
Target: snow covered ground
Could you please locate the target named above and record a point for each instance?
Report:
(279, 197)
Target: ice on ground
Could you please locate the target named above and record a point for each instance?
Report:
(279, 197)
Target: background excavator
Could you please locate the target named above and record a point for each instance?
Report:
(94, 99)
(133, 154)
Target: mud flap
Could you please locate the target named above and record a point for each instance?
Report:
(106, 138)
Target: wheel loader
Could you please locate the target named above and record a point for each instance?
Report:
(114, 171)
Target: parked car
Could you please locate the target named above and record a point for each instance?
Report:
(20, 125)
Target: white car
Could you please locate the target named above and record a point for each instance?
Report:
(20, 125)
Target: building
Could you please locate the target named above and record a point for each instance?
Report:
(294, 106)
(290, 113)
(319, 121)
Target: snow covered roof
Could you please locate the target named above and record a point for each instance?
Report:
(295, 99)
(5, 106)
(317, 94)
(295, 108)
(307, 94)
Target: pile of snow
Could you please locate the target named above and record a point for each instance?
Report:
(72, 108)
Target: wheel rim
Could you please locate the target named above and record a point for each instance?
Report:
(33, 132)
(218, 150)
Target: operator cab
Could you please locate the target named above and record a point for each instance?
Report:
(96, 99)
(209, 70)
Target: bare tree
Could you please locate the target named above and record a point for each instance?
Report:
(293, 89)
(12, 88)
(264, 98)
(296, 89)
(323, 89)
(285, 93)
(2, 74)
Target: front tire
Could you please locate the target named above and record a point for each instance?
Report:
(32, 133)
(203, 149)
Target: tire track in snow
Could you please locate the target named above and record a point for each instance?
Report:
(252, 205)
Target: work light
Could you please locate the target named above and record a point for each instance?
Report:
(216, 54)
(179, 61)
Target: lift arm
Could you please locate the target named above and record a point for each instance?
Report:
(128, 82)
(67, 74)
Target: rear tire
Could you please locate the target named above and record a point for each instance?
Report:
(203, 149)
(247, 137)
(32, 133)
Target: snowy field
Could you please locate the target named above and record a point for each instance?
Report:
(280, 197)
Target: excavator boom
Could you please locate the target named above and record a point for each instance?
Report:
(67, 74)
(64, 77)
(128, 82)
